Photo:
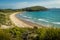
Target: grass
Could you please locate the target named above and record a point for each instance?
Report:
(18, 33)
(4, 19)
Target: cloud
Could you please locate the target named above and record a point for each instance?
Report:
(48, 4)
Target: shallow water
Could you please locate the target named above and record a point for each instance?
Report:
(50, 17)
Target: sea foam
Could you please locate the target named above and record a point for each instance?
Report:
(56, 22)
(27, 17)
(43, 20)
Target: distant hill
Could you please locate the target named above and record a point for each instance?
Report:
(34, 8)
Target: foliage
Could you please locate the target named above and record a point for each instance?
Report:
(30, 34)
(4, 18)
(4, 35)
(35, 8)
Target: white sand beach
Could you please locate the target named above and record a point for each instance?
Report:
(18, 22)
(21, 23)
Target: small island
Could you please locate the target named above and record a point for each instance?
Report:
(35, 8)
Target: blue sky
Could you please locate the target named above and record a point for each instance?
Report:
(15, 4)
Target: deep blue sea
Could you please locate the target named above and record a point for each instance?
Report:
(51, 17)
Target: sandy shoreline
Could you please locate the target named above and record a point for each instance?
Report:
(22, 23)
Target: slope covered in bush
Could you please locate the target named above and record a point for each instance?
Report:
(30, 34)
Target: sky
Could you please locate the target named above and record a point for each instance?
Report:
(16, 4)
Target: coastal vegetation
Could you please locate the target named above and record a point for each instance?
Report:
(35, 8)
(4, 18)
(17, 33)
(30, 34)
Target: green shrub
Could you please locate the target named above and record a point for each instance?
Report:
(49, 33)
(4, 35)
(42, 33)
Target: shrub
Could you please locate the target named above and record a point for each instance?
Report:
(4, 35)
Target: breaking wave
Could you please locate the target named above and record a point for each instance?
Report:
(43, 20)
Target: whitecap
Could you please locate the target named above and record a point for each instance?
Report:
(43, 20)
(24, 16)
(56, 22)
(27, 17)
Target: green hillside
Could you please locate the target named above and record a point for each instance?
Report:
(35, 8)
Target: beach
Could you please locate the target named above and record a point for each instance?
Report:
(22, 23)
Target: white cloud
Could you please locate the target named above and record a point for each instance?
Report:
(48, 4)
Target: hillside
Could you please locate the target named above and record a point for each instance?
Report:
(34, 8)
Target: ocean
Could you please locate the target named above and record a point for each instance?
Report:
(49, 18)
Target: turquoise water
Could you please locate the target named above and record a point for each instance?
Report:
(50, 17)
